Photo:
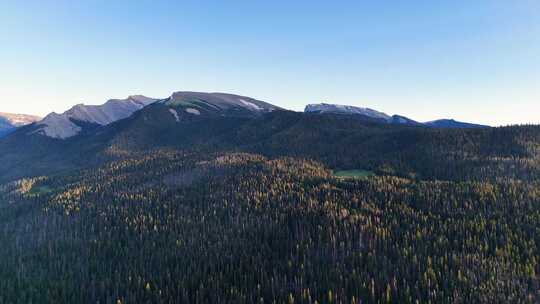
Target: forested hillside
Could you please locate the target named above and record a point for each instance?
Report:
(180, 227)
(337, 152)
(162, 208)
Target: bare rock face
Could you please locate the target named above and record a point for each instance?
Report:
(65, 125)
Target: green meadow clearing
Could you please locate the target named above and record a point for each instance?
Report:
(353, 173)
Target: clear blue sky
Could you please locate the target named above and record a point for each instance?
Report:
(471, 60)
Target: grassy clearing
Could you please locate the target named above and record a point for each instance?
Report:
(37, 190)
(353, 174)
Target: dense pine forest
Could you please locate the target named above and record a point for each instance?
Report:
(236, 210)
(178, 227)
(269, 152)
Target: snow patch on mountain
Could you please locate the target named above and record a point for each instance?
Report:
(175, 114)
(251, 105)
(193, 111)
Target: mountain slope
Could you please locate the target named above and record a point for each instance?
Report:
(9, 122)
(402, 120)
(221, 104)
(175, 227)
(72, 122)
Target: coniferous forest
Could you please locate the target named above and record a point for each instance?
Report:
(256, 215)
(269, 152)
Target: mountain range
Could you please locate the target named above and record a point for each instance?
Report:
(89, 135)
(322, 108)
(84, 117)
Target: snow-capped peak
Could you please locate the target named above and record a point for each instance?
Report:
(67, 124)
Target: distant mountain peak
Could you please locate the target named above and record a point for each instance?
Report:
(67, 124)
(452, 123)
(345, 109)
(219, 103)
(18, 120)
(9, 122)
(395, 119)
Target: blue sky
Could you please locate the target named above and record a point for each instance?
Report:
(471, 60)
